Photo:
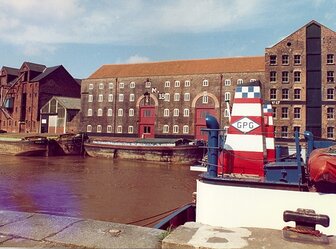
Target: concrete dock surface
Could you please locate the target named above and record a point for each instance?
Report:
(34, 230)
(194, 235)
(20, 229)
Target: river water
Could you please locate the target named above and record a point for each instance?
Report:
(102, 189)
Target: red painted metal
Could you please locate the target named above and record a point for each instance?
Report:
(201, 113)
(147, 122)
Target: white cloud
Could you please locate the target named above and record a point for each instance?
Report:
(137, 59)
(37, 49)
(105, 21)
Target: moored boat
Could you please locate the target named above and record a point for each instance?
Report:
(26, 146)
(161, 150)
(68, 144)
(245, 186)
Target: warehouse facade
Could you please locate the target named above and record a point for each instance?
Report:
(170, 99)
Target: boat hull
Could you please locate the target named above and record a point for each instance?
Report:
(24, 148)
(230, 205)
(173, 154)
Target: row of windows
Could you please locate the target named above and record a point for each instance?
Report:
(130, 129)
(297, 94)
(148, 84)
(285, 59)
(166, 112)
(227, 96)
(297, 59)
(285, 94)
(285, 76)
(285, 112)
(285, 131)
(177, 83)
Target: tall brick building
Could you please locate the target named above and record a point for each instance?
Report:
(24, 91)
(164, 99)
(168, 99)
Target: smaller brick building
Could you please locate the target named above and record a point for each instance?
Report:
(24, 91)
(58, 115)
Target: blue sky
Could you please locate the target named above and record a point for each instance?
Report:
(82, 35)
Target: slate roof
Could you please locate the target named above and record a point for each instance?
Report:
(46, 72)
(182, 67)
(11, 70)
(68, 102)
(35, 67)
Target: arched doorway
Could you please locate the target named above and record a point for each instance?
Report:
(204, 103)
(147, 114)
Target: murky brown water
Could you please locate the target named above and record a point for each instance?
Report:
(117, 191)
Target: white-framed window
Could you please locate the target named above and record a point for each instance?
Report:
(240, 81)
(330, 59)
(297, 59)
(297, 112)
(121, 97)
(131, 112)
(148, 84)
(185, 129)
(90, 86)
(187, 83)
(187, 97)
(165, 129)
(205, 82)
(109, 112)
(111, 85)
(120, 112)
(89, 128)
(227, 96)
(177, 83)
(186, 113)
(99, 128)
(205, 99)
(121, 85)
(100, 98)
(132, 84)
(110, 98)
(101, 86)
(226, 113)
(330, 132)
(132, 97)
(166, 112)
(89, 112)
(130, 129)
(90, 98)
(100, 112)
(109, 129)
(167, 83)
(253, 80)
(227, 82)
(176, 97)
(176, 112)
(119, 129)
(297, 76)
(167, 97)
(175, 129)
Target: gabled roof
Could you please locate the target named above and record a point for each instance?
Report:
(182, 67)
(34, 67)
(11, 70)
(68, 102)
(306, 25)
(46, 72)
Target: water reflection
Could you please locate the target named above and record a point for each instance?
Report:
(118, 191)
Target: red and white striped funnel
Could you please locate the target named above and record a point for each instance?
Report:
(269, 131)
(244, 148)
